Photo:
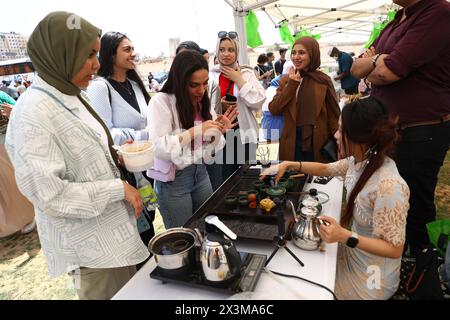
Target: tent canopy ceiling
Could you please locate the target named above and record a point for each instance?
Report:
(326, 17)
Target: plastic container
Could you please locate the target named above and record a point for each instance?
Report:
(137, 156)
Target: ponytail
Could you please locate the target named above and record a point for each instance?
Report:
(366, 121)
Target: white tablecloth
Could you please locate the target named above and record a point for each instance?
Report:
(319, 267)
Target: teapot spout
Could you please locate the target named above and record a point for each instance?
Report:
(294, 214)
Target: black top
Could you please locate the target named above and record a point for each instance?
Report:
(125, 89)
(269, 66)
(260, 70)
(279, 64)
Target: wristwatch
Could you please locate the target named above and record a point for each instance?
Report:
(352, 241)
(374, 59)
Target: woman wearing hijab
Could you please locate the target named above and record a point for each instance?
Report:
(241, 83)
(65, 165)
(307, 99)
(120, 98)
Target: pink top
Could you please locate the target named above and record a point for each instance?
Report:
(198, 142)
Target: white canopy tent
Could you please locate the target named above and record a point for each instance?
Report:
(327, 17)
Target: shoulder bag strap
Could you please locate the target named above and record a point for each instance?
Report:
(96, 117)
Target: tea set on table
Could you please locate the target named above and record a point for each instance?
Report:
(213, 260)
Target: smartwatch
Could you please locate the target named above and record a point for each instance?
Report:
(352, 241)
(374, 59)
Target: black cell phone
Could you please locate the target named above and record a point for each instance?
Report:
(323, 180)
(230, 98)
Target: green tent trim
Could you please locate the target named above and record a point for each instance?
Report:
(378, 27)
(285, 33)
(306, 33)
(251, 25)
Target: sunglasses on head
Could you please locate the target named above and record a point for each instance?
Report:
(224, 34)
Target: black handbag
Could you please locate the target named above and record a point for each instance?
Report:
(330, 149)
(419, 277)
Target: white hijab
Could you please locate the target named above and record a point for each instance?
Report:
(236, 48)
(235, 64)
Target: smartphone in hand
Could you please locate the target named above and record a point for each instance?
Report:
(230, 98)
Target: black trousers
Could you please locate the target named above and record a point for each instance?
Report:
(419, 156)
(301, 155)
(215, 175)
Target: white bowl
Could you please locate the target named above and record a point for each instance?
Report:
(137, 156)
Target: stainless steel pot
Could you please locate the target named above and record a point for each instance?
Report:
(305, 233)
(174, 249)
(219, 257)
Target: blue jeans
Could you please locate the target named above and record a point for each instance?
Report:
(180, 198)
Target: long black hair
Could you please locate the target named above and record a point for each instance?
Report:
(108, 49)
(183, 66)
(366, 121)
(188, 45)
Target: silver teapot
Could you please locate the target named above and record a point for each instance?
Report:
(305, 232)
(219, 258)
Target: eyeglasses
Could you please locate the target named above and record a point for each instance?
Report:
(224, 34)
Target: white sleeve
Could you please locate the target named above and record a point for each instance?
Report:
(338, 168)
(252, 93)
(216, 104)
(40, 175)
(99, 96)
(165, 135)
(161, 130)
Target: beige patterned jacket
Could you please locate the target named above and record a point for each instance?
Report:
(68, 174)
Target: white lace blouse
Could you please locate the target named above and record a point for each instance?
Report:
(380, 212)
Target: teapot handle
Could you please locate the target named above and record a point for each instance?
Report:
(199, 237)
(234, 259)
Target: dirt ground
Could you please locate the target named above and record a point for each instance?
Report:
(23, 270)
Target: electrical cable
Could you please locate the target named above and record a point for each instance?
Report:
(312, 282)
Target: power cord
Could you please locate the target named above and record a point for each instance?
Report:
(309, 281)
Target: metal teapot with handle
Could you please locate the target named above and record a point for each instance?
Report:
(305, 232)
(219, 257)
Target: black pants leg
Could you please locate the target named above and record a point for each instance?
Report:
(300, 155)
(419, 157)
(215, 175)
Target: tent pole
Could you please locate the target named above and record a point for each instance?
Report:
(239, 13)
(268, 15)
(229, 3)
